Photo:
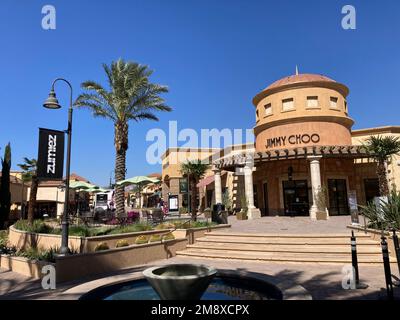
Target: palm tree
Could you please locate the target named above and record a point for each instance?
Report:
(194, 170)
(130, 96)
(29, 168)
(381, 148)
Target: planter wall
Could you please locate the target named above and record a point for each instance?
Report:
(90, 243)
(24, 240)
(24, 266)
(102, 262)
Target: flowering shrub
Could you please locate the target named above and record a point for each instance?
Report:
(133, 216)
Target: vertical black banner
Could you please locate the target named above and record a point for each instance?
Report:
(51, 154)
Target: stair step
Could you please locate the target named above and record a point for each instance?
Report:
(285, 241)
(279, 248)
(286, 235)
(279, 256)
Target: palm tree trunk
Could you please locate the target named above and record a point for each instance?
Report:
(120, 161)
(193, 198)
(32, 200)
(121, 145)
(382, 178)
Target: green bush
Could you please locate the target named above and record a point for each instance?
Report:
(136, 227)
(142, 239)
(4, 249)
(34, 253)
(165, 225)
(79, 231)
(191, 224)
(102, 246)
(122, 243)
(155, 238)
(38, 226)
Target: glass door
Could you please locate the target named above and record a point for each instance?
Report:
(295, 195)
(338, 202)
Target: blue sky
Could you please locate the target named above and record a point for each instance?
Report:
(214, 55)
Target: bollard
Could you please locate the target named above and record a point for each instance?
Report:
(386, 265)
(354, 262)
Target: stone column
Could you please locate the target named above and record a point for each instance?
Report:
(218, 185)
(316, 187)
(252, 212)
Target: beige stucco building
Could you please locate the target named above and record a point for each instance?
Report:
(50, 196)
(304, 148)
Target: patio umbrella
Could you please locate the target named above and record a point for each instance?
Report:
(81, 186)
(140, 182)
(95, 190)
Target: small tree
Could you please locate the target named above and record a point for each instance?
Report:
(381, 148)
(322, 198)
(29, 168)
(5, 194)
(195, 170)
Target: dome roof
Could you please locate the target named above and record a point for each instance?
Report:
(301, 80)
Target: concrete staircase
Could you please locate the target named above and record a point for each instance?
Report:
(310, 248)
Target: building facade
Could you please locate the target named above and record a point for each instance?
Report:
(306, 160)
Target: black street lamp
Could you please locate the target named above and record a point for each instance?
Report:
(52, 103)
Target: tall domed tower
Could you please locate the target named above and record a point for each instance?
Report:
(302, 110)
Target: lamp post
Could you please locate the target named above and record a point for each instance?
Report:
(52, 103)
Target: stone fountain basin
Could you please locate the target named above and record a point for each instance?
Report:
(180, 281)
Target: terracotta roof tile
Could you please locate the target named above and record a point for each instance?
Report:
(299, 78)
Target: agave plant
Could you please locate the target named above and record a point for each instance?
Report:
(384, 215)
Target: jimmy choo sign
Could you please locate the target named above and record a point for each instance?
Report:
(51, 154)
(294, 139)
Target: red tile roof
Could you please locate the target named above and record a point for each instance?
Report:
(299, 80)
(76, 177)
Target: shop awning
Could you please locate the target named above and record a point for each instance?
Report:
(207, 180)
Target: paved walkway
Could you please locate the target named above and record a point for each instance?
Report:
(323, 281)
(290, 225)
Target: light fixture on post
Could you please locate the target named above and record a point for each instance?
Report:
(52, 103)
